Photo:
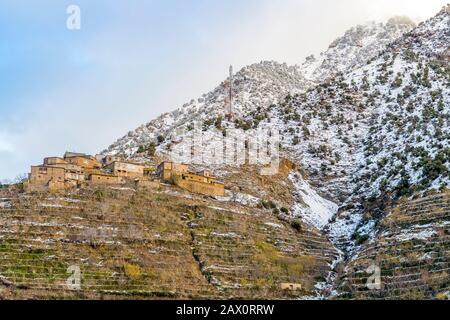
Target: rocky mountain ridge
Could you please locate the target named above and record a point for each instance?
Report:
(265, 83)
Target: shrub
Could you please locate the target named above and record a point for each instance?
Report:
(442, 296)
(151, 149)
(218, 123)
(268, 204)
(133, 272)
(306, 132)
(99, 195)
(160, 139)
(296, 225)
(272, 204)
(360, 239)
(397, 82)
(141, 149)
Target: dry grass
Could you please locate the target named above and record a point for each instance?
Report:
(140, 244)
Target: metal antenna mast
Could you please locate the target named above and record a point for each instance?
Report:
(231, 90)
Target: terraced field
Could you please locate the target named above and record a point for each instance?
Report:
(248, 254)
(412, 250)
(144, 244)
(166, 243)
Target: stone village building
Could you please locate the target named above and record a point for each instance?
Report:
(78, 169)
(71, 171)
(179, 175)
(166, 170)
(105, 178)
(126, 169)
(46, 177)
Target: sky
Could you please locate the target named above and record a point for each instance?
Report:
(130, 61)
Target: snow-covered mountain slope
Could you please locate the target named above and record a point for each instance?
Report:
(257, 85)
(262, 84)
(382, 127)
(310, 206)
(407, 145)
(355, 48)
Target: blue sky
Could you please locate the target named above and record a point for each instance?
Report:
(132, 60)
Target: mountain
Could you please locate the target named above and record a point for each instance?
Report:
(262, 84)
(379, 129)
(359, 208)
(355, 48)
(367, 122)
(402, 168)
(354, 122)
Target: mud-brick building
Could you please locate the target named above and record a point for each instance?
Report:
(290, 286)
(43, 175)
(74, 176)
(179, 175)
(126, 169)
(105, 179)
(75, 169)
(166, 170)
(83, 160)
(107, 160)
(51, 161)
(73, 172)
(196, 183)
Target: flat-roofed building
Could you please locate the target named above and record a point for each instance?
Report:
(70, 154)
(126, 169)
(290, 286)
(199, 184)
(69, 167)
(204, 173)
(74, 176)
(84, 161)
(178, 174)
(42, 175)
(104, 179)
(107, 160)
(54, 161)
(167, 169)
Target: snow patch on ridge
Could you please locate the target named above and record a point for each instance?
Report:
(310, 206)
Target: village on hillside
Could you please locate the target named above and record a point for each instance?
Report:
(78, 170)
